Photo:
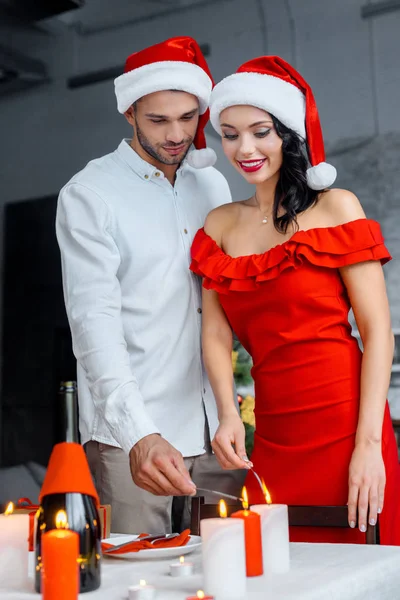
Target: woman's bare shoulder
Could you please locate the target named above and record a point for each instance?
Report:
(338, 206)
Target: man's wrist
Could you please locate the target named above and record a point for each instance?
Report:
(128, 438)
(145, 437)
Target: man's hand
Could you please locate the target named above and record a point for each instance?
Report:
(158, 467)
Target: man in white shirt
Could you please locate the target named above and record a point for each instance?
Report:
(125, 224)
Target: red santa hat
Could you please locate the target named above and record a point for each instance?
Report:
(176, 64)
(270, 83)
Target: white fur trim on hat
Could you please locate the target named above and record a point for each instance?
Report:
(321, 176)
(199, 159)
(280, 98)
(160, 76)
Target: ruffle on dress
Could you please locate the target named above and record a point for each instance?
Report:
(333, 247)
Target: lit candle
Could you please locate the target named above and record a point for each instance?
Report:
(252, 535)
(14, 550)
(224, 563)
(60, 567)
(200, 594)
(143, 591)
(181, 568)
(275, 534)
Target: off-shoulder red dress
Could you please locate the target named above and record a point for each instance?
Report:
(289, 308)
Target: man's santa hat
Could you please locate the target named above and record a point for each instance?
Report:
(270, 83)
(176, 64)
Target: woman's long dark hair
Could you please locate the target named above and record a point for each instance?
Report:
(292, 193)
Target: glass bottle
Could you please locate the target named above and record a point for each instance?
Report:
(81, 511)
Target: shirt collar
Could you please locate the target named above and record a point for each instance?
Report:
(144, 169)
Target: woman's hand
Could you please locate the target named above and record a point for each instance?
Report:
(367, 480)
(229, 443)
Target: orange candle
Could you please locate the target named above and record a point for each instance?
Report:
(60, 570)
(252, 536)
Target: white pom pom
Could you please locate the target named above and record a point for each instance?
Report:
(199, 159)
(321, 176)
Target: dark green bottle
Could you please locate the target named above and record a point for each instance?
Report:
(81, 510)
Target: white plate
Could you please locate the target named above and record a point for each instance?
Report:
(193, 543)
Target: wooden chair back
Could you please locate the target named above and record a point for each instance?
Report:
(299, 516)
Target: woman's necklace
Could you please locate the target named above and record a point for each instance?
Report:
(265, 218)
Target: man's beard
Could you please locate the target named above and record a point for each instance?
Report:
(152, 151)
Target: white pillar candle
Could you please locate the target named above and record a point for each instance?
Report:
(181, 568)
(275, 537)
(143, 591)
(14, 551)
(224, 560)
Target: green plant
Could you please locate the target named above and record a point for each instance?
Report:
(242, 366)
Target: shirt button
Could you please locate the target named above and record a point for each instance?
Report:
(157, 174)
(146, 176)
(199, 311)
(185, 231)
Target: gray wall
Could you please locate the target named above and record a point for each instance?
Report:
(50, 132)
(352, 64)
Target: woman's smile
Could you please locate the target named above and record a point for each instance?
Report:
(249, 166)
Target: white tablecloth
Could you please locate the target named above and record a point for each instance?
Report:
(318, 572)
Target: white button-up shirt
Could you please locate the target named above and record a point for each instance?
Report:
(133, 306)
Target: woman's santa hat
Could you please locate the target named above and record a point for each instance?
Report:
(176, 64)
(270, 83)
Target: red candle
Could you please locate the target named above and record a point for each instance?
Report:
(60, 567)
(252, 536)
(200, 594)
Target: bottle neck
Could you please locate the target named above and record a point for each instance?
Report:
(69, 412)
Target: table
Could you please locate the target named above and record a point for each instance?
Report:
(318, 572)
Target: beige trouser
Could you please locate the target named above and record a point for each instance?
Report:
(134, 510)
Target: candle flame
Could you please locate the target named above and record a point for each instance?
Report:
(182, 560)
(267, 495)
(200, 594)
(142, 582)
(223, 513)
(10, 509)
(61, 520)
(245, 499)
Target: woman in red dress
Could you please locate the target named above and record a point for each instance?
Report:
(282, 270)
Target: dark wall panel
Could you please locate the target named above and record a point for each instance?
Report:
(36, 340)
